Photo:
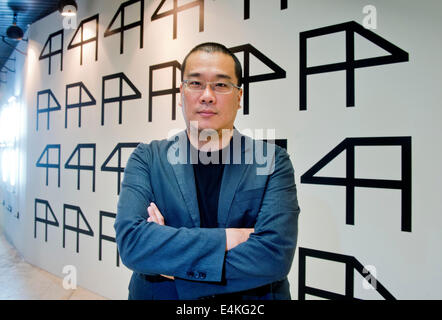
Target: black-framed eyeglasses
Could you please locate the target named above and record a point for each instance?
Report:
(222, 87)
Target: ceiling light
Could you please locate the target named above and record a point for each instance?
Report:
(14, 32)
(68, 7)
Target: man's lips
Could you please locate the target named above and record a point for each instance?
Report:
(206, 113)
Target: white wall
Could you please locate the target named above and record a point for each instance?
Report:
(10, 196)
(391, 100)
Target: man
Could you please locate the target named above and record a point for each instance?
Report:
(190, 228)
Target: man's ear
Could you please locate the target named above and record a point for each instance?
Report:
(239, 98)
(180, 102)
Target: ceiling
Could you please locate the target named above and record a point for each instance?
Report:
(28, 11)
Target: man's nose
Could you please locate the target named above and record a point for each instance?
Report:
(208, 96)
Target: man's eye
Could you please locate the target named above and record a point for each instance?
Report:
(221, 85)
(195, 83)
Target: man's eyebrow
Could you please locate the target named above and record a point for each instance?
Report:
(194, 74)
(220, 75)
(223, 76)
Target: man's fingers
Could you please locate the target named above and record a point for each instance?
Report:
(152, 215)
(157, 213)
(236, 236)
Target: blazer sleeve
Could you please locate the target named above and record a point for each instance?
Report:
(267, 255)
(148, 248)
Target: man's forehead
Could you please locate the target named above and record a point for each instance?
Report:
(216, 75)
(219, 63)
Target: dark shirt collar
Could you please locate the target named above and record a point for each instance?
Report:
(215, 155)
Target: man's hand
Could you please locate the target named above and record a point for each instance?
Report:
(155, 216)
(235, 236)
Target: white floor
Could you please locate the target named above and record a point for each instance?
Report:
(20, 280)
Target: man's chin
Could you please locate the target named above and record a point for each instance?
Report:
(202, 125)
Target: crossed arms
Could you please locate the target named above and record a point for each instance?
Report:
(234, 236)
(200, 259)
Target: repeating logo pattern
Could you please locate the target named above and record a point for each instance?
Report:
(50, 158)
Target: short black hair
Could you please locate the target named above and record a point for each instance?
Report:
(211, 47)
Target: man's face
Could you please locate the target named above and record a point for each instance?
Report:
(210, 109)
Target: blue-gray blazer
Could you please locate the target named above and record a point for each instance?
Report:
(195, 256)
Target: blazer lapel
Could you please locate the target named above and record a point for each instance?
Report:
(186, 182)
(186, 179)
(231, 177)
